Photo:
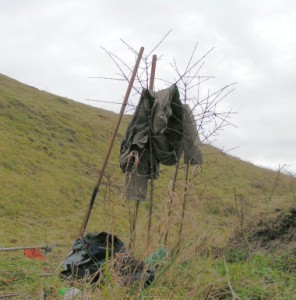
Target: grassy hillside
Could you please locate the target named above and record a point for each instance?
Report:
(51, 150)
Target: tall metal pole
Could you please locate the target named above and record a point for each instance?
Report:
(96, 188)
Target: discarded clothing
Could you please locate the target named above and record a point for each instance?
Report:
(89, 256)
(156, 135)
(152, 137)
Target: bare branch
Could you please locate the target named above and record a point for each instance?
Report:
(157, 45)
(107, 78)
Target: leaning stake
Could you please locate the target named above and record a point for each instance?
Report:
(95, 191)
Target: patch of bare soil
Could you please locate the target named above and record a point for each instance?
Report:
(271, 234)
(276, 232)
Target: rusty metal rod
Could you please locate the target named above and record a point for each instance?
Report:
(47, 248)
(21, 248)
(96, 188)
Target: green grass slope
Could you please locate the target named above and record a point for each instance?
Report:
(51, 150)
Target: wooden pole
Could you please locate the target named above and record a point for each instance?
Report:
(171, 200)
(152, 74)
(183, 204)
(151, 86)
(96, 188)
(133, 221)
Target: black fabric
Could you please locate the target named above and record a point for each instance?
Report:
(90, 254)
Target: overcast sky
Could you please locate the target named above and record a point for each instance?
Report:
(54, 45)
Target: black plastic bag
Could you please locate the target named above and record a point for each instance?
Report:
(90, 254)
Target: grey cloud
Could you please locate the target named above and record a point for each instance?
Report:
(55, 46)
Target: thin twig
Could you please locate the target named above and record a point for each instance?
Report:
(158, 44)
